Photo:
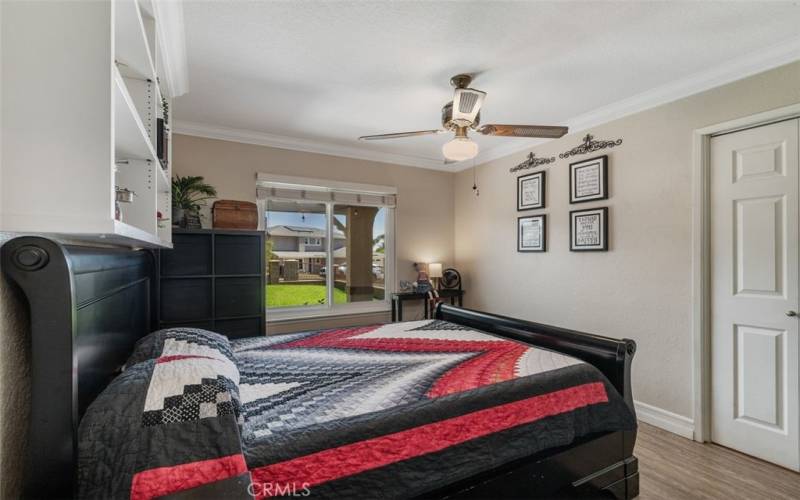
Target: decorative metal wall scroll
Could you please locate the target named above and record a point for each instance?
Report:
(531, 162)
(590, 145)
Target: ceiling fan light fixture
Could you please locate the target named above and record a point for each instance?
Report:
(460, 149)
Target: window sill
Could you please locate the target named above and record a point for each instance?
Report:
(286, 315)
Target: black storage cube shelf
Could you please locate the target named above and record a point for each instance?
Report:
(213, 279)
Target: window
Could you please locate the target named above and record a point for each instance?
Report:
(360, 252)
(329, 248)
(295, 276)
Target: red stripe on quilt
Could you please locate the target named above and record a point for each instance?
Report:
(178, 357)
(491, 367)
(420, 345)
(343, 339)
(350, 459)
(327, 339)
(161, 481)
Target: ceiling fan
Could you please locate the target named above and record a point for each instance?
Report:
(462, 114)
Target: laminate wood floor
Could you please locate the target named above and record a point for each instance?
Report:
(672, 467)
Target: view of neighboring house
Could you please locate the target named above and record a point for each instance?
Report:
(306, 245)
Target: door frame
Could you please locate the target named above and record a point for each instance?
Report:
(701, 258)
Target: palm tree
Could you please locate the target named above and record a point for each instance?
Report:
(379, 243)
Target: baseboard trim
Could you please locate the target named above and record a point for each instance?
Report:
(663, 419)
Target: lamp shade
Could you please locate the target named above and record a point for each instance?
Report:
(435, 270)
(460, 149)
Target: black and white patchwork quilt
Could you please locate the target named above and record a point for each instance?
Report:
(393, 410)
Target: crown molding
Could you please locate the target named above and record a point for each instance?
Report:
(736, 69)
(172, 39)
(731, 71)
(305, 145)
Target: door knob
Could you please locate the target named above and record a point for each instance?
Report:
(791, 314)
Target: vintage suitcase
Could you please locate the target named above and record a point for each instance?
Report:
(232, 214)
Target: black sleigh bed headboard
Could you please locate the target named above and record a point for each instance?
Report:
(88, 306)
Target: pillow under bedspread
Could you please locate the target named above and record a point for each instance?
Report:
(163, 425)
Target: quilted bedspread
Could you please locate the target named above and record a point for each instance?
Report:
(398, 410)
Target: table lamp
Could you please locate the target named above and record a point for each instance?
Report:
(435, 272)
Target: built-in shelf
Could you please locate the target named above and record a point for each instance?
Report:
(131, 139)
(115, 233)
(132, 51)
(164, 185)
(129, 232)
(137, 106)
(80, 137)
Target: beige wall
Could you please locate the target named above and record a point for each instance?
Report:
(640, 289)
(423, 218)
(14, 385)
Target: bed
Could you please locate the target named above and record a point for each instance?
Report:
(467, 405)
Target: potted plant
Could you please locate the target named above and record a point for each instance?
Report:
(189, 193)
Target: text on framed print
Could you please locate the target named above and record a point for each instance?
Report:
(588, 180)
(530, 191)
(588, 230)
(532, 233)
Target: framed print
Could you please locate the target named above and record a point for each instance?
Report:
(588, 180)
(588, 230)
(530, 191)
(532, 233)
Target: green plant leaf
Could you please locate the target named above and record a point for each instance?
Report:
(191, 192)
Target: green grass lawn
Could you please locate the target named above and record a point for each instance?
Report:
(301, 295)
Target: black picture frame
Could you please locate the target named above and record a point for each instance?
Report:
(542, 176)
(598, 162)
(543, 237)
(602, 244)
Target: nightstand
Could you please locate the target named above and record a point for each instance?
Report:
(400, 297)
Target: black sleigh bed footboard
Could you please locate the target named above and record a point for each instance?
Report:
(599, 466)
(88, 306)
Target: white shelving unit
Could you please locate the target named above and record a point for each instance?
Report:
(85, 87)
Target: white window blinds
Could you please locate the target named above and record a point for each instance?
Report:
(300, 189)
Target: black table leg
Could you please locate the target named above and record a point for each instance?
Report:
(394, 309)
(461, 299)
(426, 307)
(399, 310)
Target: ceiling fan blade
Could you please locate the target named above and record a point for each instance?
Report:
(399, 135)
(543, 131)
(466, 105)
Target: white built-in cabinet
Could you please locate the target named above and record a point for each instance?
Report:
(83, 90)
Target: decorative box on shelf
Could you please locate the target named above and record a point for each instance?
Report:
(232, 214)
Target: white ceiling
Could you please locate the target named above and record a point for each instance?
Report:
(316, 75)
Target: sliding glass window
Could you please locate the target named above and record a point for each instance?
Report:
(327, 257)
(361, 254)
(296, 254)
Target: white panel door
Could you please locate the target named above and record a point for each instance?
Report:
(754, 295)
